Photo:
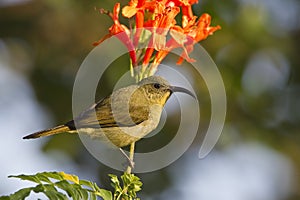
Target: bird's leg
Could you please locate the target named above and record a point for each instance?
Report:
(130, 161)
(131, 154)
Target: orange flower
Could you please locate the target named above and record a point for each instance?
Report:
(158, 17)
(160, 27)
(194, 31)
(186, 37)
(130, 10)
(135, 7)
(121, 32)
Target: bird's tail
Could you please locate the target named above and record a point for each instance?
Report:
(51, 131)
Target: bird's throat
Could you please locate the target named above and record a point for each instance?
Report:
(165, 98)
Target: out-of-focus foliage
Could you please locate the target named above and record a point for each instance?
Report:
(257, 53)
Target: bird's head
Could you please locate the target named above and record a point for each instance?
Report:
(158, 90)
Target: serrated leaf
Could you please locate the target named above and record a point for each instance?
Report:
(73, 190)
(65, 185)
(31, 178)
(115, 183)
(42, 177)
(93, 196)
(114, 179)
(39, 188)
(70, 177)
(84, 194)
(96, 187)
(87, 183)
(125, 179)
(53, 175)
(54, 195)
(130, 185)
(105, 194)
(20, 194)
(59, 185)
(51, 192)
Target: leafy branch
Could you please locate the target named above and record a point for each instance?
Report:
(59, 185)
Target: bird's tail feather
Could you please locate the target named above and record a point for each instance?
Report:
(51, 131)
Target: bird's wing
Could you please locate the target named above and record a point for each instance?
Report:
(105, 116)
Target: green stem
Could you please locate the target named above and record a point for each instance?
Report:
(124, 191)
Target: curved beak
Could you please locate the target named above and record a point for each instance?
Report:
(180, 89)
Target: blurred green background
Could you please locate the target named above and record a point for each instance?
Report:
(43, 43)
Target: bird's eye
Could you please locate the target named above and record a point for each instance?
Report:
(156, 85)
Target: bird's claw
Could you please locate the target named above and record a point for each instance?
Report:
(129, 162)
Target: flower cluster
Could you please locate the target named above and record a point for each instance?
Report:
(154, 21)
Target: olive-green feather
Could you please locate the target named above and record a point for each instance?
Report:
(51, 131)
(118, 116)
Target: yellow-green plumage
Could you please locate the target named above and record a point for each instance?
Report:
(125, 116)
(51, 131)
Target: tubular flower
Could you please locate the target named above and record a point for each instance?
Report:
(120, 30)
(156, 27)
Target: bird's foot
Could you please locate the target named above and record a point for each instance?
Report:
(129, 162)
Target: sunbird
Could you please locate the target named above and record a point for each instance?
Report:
(123, 117)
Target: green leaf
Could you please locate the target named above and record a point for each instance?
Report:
(20, 194)
(96, 188)
(86, 183)
(43, 177)
(26, 177)
(114, 179)
(54, 195)
(105, 194)
(93, 196)
(131, 184)
(53, 175)
(73, 190)
(65, 185)
(126, 179)
(69, 177)
(39, 188)
(84, 194)
(115, 183)
(59, 185)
